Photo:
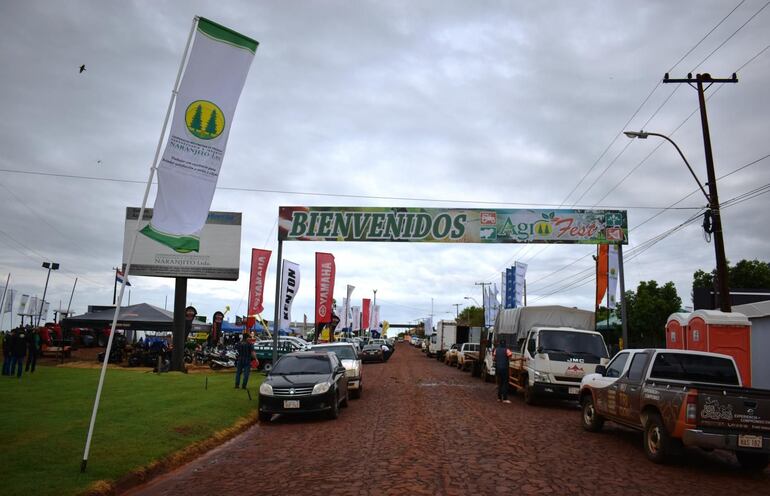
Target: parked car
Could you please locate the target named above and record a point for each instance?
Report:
(467, 353)
(679, 397)
(304, 382)
(372, 353)
(450, 357)
(348, 355)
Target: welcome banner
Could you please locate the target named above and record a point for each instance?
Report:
(289, 288)
(453, 225)
(259, 262)
(203, 114)
(325, 271)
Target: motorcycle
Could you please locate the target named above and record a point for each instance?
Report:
(223, 360)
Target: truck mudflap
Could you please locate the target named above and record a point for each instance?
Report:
(754, 443)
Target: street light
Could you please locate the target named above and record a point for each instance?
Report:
(716, 219)
(471, 298)
(50, 266)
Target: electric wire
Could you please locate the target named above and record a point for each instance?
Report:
(579, 279)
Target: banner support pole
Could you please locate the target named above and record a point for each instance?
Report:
(623, 310)
(84, 462)
(276, 319)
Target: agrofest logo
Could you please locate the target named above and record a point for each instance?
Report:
(204, 119)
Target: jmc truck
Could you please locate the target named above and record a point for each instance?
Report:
(553, 348)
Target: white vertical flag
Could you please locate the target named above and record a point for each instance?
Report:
(203, 114)
(356, 311)
(348, 317)
(9, 297)
(612, 277)
(289, 288)
(23, 304)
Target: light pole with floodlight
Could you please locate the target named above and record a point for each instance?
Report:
(50, 266)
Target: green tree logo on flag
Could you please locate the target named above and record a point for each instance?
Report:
(215, 122)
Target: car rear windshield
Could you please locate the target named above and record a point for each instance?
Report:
(302, 365)
(342, 352)
(573, 342)
(694, 368)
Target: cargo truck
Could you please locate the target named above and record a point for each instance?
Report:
(553, 348)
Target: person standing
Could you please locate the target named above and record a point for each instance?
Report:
(33, 347)
(246, 354)
(7, 353)
(502, 355)
(19, 351)
(216, 329)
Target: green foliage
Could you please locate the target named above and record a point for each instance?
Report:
(750, 274)
(648, 310)
(471, 316)
(142, 417)
(196, 122)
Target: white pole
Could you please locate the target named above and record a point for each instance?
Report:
(84, 462)
(2, 303)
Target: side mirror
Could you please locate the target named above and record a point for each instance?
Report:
(539, 349)
(601, 369)
(268, 367)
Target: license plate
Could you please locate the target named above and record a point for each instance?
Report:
(748, 441)
(573, 390)
(291, 403)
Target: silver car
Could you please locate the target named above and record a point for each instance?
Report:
(348, 355)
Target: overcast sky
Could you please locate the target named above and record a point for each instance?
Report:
(411, 103)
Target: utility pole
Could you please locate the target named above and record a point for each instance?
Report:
(476, 371)
(457, 310)
(716, 220)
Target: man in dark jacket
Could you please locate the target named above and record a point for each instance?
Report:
(18, 350)
(7, 353)
(246, 354)
(33, 348)
(501, 356)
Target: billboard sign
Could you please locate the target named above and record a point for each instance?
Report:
(218, 258)
(453, 225)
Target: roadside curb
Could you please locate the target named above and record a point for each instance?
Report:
(171, 462)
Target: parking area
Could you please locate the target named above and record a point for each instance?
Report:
(422, 427)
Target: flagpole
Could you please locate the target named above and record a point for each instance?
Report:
(153, 168)
(2, 303)
(278, 275)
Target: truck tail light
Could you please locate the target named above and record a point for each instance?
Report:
(692, 408)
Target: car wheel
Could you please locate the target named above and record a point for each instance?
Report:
(752, 462)
(529, 395)
(592, 421)
(657, 441)
(334, 412)
(357, 392)
(265, 417)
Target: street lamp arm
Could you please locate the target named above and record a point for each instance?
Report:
(645, 134)
(703, 190)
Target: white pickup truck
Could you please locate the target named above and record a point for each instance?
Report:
(553, 348)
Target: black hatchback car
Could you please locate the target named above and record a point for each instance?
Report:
(304, 382)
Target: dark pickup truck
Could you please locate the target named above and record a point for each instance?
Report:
(680, 398)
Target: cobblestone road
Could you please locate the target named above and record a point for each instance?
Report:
(424, 428)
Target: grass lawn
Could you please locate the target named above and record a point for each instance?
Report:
(142, 417)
